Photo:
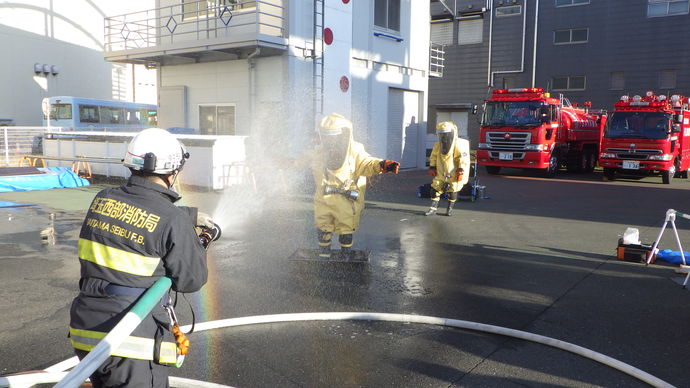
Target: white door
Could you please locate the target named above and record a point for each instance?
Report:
(403, 127)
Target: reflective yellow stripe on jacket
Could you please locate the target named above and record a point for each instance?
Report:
(117, 259)
(133, 347)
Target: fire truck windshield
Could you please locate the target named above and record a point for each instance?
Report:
(638, 125)
(520, 113)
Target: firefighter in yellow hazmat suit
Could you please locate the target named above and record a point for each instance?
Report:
(340, 166)
(449, 164)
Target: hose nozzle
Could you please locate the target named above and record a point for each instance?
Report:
(208, 235)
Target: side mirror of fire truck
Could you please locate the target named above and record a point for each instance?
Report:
(675, 128)
(678, 118)
(544, 115)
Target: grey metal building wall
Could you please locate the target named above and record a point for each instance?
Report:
(621, 38)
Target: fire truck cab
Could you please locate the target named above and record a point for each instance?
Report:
(650, 133)
(527, 128)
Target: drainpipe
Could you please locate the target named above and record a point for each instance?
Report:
(134, 84)
(489, 75)
(252, 91)
(534, 48)
(522, 54)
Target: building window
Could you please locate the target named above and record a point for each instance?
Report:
(667, 7)
(565, 3)
(217, 119)
(442, 33)
(569, 83)
(573, 35)
(667, 79)
(387, 14)
(617, 80)
(470, 31)
(509, 10)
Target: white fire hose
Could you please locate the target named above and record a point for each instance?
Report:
(50, 374)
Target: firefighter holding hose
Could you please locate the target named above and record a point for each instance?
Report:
(132, 236)
(340, 167)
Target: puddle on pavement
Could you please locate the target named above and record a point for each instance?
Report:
(27, 228)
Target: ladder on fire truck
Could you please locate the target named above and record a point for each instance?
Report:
(564, 100)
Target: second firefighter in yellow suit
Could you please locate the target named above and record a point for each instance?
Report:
(340, 166)
(449, 164)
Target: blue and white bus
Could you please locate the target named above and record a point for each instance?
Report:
(90, 114)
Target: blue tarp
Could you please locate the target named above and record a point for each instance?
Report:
(12, 204)
(53, 178)
(672, 257)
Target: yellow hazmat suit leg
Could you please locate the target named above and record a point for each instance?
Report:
(346, 241)
(435, 198)
(325, 243)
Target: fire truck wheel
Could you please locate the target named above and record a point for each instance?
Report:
(680, 174)
(609, 173)
(493, 170)
(553, 166)
(666, 176)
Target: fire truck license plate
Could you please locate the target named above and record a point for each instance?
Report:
(505, 156)
(631, 165)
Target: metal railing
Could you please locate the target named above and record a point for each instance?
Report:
(436, 59)
(17, 142)
(192, 21)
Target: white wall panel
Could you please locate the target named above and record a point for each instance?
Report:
(337, 17)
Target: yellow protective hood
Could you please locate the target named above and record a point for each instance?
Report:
(334, 131)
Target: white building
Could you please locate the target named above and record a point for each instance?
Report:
(55, 47)
(269, 69)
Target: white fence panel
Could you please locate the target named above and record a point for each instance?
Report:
(16, 142)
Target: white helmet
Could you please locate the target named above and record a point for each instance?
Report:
(155, 151)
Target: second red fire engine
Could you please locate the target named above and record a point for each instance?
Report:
(647, 134)
(527, 128)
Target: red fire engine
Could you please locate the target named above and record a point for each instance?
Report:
(650, 133)
(527, 128)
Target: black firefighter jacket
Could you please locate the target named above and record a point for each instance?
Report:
(132, 236)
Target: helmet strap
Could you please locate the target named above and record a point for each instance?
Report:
(171, 179)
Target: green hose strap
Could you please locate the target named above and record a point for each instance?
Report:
(148, 301)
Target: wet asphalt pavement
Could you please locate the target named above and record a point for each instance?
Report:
(537, 256)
